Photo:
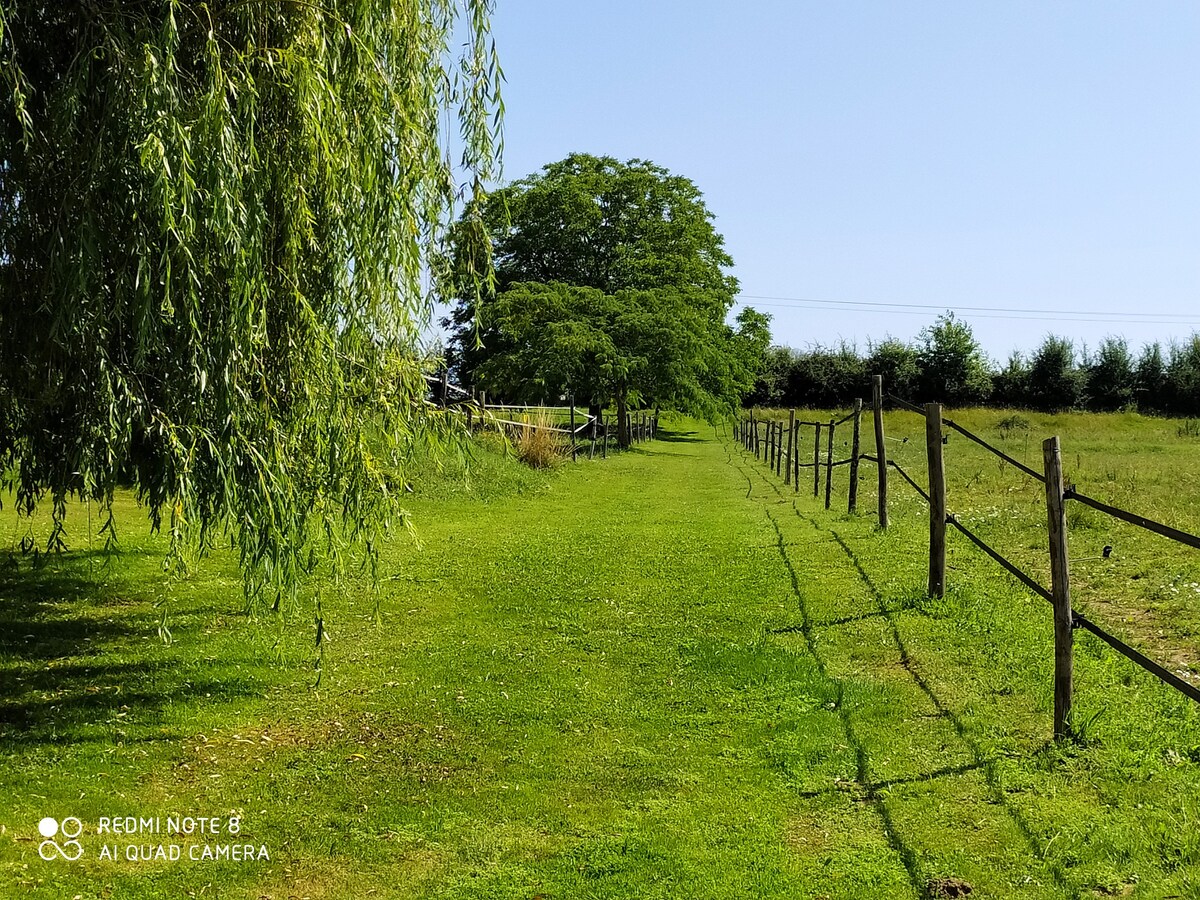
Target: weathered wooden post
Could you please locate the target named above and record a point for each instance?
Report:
(604, 446)
(817, 461)
(796, 460)
(444, 388)
(937, 500)
(854, 447)
(829, 467)
(787, 463)
(1060, 587)
(779, 454)
(571, 400)
(880, 448)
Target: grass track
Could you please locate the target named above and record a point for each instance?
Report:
(663, 675)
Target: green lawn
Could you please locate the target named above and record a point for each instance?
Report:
(660, 675)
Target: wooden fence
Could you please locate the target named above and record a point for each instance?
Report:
(766, 440)
(583, 428)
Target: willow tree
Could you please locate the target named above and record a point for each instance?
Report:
(214, 222)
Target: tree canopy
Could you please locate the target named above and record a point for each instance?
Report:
(624, 257)
(214, 220)
(633, 346)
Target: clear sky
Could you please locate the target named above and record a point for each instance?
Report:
(1012, 156)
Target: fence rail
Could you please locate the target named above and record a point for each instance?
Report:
(780, 448)
(1066, 618)
(581, 426)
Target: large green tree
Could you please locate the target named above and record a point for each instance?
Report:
(214, 219)
(592, 222)
(631, 232)
(660, 346)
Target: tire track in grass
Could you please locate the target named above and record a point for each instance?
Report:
(980, 760)
(862, 776)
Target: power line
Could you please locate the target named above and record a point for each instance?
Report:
(979, 312)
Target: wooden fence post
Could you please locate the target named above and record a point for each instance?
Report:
(444, 388)
(604, 446)
(1060, 581)
(829, 466)
(880, 448)
(757, 441)
(937, 500)
(787, 462)
(779, 451)
(817, 461)
(853, 490)
(796, 460)
(571, 400)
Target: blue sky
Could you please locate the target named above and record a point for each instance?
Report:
(1007, 156)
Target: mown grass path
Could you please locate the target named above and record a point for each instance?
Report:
(663, 675)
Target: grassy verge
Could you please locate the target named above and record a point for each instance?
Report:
(1147, 590)
(662, 675)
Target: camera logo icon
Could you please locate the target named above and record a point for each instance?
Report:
(70, 829)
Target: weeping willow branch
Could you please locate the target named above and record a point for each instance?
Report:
(214, 223)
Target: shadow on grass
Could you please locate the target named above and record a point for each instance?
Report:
(81, 659)
(875, 791)
(676, 437)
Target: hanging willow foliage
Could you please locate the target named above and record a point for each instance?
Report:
(214, 223)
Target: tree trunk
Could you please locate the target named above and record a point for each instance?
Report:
(623, 440)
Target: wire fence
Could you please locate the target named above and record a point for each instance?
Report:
(779, 454)
(780, 446)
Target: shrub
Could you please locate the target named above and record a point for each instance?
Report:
(1110, 376)
(1183, 377)
(1055, 382)
(1010, 386)
(954, 369)
(826, 377)
(897, 362)
(1150, 383)
(536, 444)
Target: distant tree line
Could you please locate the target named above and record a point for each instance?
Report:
(947, 364)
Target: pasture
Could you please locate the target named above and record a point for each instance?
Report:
(663, 674)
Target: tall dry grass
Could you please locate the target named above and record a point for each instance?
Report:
(536, 444)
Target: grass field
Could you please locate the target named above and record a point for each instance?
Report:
(661, 675)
